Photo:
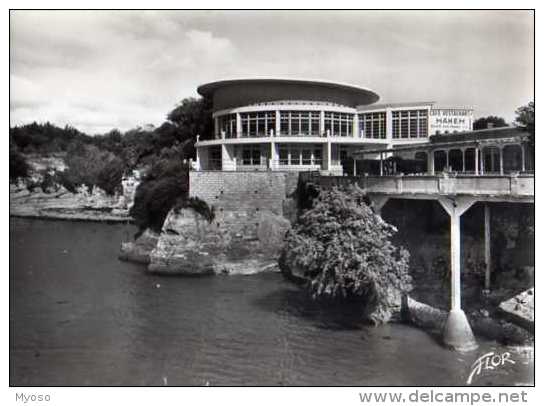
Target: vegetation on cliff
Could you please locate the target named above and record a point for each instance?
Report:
(101, 160)
(343, 249)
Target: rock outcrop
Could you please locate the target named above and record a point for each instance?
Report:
(191, 245)
(521, 309)
(140, 249)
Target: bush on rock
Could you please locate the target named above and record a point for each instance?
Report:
(343, 249)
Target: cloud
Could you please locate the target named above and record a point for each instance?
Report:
(105, 69)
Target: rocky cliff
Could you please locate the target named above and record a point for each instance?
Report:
(189, 244)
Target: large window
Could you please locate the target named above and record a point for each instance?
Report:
(300, 155)
(250, 155)
(226, 124)
(372, 125)
(410, 124)
(259, 124)
(339, 124)
(299, 123)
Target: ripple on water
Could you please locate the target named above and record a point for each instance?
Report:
(81, 317)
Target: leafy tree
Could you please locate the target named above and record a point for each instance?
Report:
(192, 117)
(344, 250)
(482, 122)
(18, 166)
(525, 117)
(161, 188)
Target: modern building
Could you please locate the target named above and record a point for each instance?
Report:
(298, 125)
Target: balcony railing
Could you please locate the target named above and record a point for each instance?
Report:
(488, 185)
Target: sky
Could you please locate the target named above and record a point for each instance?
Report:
(100, 70)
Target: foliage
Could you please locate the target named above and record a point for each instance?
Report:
(18, 166)
(91, 166)
(345, 250)
(525, 117)
(482, 122)
(199, 205)
(163, 186)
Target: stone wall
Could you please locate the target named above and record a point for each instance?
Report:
(240, 198)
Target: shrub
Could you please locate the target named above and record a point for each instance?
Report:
(197, 204)
(164, 185)
(344, 250)
(18, 166)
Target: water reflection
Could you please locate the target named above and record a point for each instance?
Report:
(78, 316)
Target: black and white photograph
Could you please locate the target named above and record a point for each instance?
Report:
(267, 198)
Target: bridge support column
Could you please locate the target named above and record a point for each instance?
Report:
(487, 239)
(378, 202)
(457, 332)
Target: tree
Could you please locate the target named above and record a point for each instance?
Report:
(342, 249)
(483, 122)
(525, 117)
(192, 117)
(18, 166)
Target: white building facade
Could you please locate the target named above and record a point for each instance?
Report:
(300, 125)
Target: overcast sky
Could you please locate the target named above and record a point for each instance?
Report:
(98, 70)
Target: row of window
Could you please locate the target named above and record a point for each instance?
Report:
(372, 125)
(304, 155)
(255, 155)
(405, 124)
(410, 124)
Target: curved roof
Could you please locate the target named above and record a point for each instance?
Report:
(242, 92)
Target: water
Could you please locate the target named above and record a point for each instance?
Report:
(78, 316)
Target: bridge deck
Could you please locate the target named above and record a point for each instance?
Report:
(485, 187)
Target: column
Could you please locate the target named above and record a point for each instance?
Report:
(487, 239)
(501, 160)
(457, 333)
(463, 158)
(278, 123)
(356, 125)
(476, 153)
(482, 168)
(354, 166)
(273, 156)
(321, 122)
(238, 125)
(381, 163)
(216, 127)
(455, 258)
(522, 157)
(328, 154)
(447, 151)
(430, 162)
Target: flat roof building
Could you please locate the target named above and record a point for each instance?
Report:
(297, 125)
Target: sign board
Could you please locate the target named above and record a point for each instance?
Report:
(444, 121)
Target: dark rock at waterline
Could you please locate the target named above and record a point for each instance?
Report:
(191, 245)
(140, 249)
(433, 320)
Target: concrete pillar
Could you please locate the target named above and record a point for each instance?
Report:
(273, 156)
(447, 151)
(278, 123)
(476, 153)
(501, 161)
(487, 240)
(463, 158)
(238, 125)
(197, 162)
(378, 202)
(328, 154)
(217, 130)
(381, 163)
(354, 166)
(482, 167)
(457, 332)
(522, 158)
(430, 162)
(355, 125)
(322, 123)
